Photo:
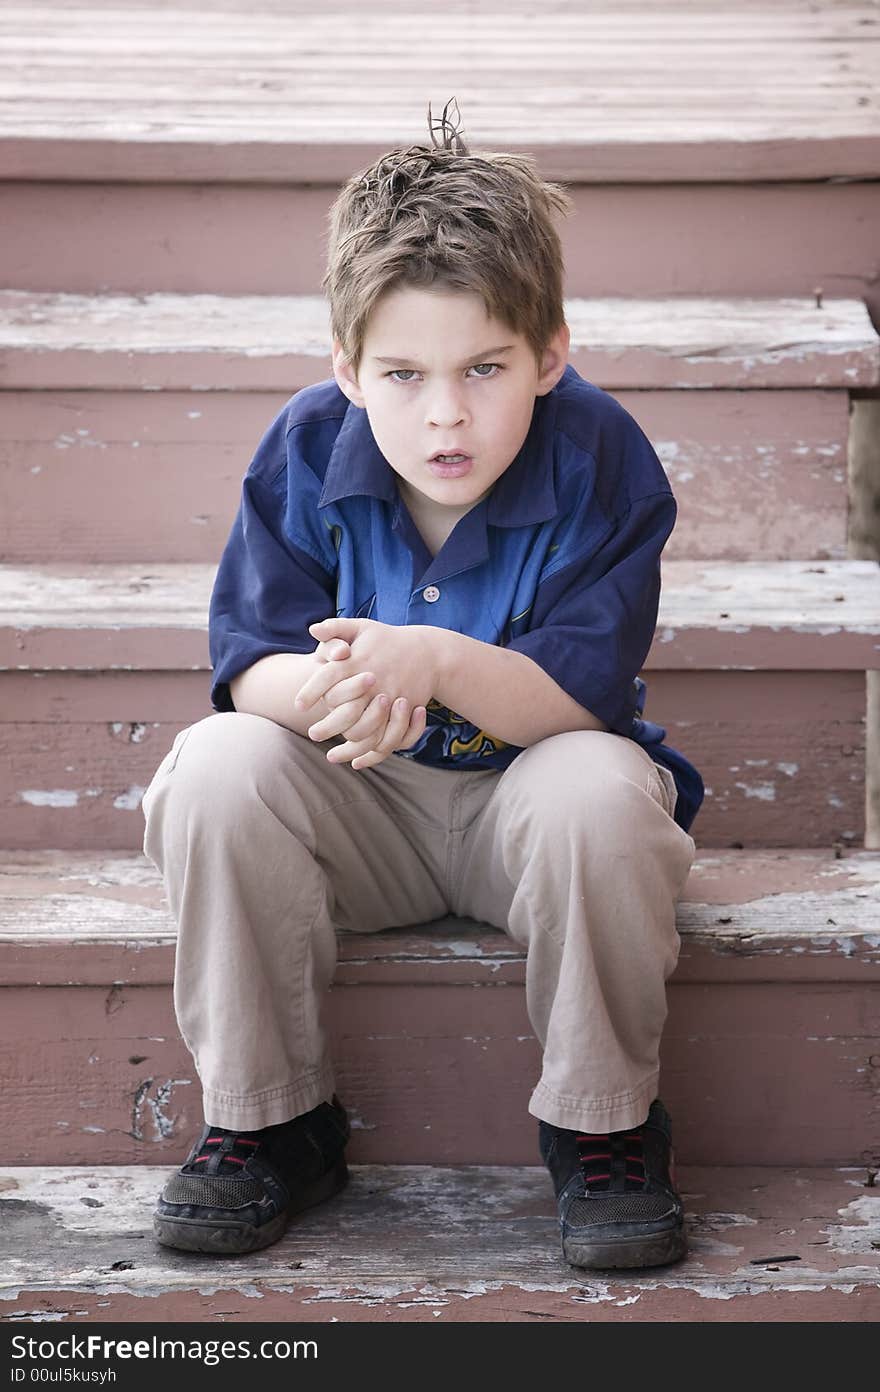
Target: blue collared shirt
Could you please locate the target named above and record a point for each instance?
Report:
(561, 561)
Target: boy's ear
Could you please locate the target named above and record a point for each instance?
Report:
(346, 379)
(554, 360)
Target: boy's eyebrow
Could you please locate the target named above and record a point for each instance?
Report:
(475, 358)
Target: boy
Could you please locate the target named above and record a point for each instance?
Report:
(448, 553)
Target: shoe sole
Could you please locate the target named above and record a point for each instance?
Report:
(658, 1249)
(230, 1237)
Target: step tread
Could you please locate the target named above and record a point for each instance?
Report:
(59, 340)
(614, 92)
(724, 614)
(458, 1239)
(751, 904)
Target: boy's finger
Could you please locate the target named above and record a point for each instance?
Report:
(336, 723)
(395, 730)
(334, 650)
(350, 689)
(371, 723)
(373, 749)
(318, 684)
(417, 723)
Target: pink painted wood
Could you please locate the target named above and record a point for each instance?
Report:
(268, 342)
(642, 238)
(778, 968)
(615, 93)
(122, 476)
(783, 758)
(439, 1244)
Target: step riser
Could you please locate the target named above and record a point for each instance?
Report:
(136, 476)
(264, 239)
(782, 757)
(763, 1073)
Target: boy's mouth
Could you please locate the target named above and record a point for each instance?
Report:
(450, 465)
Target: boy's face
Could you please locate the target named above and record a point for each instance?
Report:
(447, 386)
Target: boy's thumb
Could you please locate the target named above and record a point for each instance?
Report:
(334, 649)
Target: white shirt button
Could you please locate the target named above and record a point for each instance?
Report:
(431, 593)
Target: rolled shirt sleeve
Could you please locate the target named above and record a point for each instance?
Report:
(593, 619)
(267, 590)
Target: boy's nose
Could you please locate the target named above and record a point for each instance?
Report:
(446, 410)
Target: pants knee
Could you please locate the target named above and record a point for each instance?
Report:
(587, 775)
(212, 763)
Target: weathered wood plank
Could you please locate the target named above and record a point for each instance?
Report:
(616, 93)
(443, 1072)
(724, 615)
(441, 1244)
(266, 342)
(783, 758)
(159, 238)
(118, 477)
(738, 906)
(777, 973)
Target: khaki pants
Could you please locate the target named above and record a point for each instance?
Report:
(267, 850)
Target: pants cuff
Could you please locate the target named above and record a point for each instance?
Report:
(595, 1116)
(236, 1112)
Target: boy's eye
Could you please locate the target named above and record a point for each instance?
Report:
(395, 372)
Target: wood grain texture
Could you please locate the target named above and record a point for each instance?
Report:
(782, 756)
(706, 239)
(656, 92)
(777, 979)
(720, 615)
(124, 477)
(267, 342)
(747, 909)
(437, 1244)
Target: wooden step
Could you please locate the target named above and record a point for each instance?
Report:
(789, 615)
(441, 1244)
(615, 92)
(770, 1053)
(108, 411)
(127, 476)
(236, 238)
(156, 341)
(102, 665)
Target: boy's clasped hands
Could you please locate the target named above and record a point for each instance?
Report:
(363, 663)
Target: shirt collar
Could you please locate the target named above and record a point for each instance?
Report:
(524, 493)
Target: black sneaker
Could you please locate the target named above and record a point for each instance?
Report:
(615, 1193)
(236, 1190)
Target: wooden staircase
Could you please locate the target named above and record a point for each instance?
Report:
(159, 307)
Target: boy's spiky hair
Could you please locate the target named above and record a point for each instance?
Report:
(441, 217)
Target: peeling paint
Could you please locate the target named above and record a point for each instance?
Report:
(131, 799)
(356, 1121)
(163, 1125)
(50, 797)
(765, 791)
(136, 730)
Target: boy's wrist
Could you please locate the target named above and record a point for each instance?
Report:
(440, 654)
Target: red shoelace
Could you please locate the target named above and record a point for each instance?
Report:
(614, 1156)
(218, 1140)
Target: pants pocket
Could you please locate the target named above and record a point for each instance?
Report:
(668, 788)
(168, 763)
